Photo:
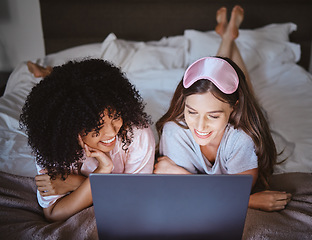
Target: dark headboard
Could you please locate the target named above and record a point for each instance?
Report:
(74, 22)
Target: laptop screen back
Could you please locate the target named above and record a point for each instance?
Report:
(170, 206)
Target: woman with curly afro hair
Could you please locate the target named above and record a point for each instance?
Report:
(83, 117)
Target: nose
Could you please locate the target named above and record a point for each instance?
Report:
(109, 130)
(202, 123)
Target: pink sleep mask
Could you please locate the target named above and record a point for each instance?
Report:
(216, 70)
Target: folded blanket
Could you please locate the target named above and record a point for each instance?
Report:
(22, 218)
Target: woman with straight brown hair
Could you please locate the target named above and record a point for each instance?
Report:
(215, 125)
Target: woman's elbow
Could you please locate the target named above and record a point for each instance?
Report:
(52, 215)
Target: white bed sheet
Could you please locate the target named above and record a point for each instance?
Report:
(285, 92)
(283, 89)
(15, 154)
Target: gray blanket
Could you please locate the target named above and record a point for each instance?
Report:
(22, 218)
(294, 222)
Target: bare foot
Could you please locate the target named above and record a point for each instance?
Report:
(221, 20)
(38, 70)
(237, 17)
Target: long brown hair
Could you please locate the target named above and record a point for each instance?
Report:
(247, 115)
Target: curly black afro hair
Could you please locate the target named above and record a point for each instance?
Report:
(70, 101)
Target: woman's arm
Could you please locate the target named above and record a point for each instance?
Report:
(47, 186)
(81, 198)
(266, 200)
(70, 204)
(269, 200)
(165, 165)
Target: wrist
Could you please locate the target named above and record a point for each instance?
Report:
(252, 202)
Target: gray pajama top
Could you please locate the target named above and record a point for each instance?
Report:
(235, 154)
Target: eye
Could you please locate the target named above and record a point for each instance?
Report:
(95, 134)
(214, 116)
(190, 112)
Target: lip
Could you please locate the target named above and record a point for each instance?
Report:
(202, 135)
(109, 142)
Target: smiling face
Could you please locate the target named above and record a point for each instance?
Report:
(207, 117)
(104, 139)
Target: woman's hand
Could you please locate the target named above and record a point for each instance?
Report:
(269, 200)
(105, 162)
(47, 186)
(165, 165)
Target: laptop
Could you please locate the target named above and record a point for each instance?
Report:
(141, 206)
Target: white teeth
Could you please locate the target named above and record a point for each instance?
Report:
(109, 141)
(201, 133)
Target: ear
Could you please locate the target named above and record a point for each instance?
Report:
(81, 143)
(235, 106)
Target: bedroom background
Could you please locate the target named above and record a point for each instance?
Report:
(283, 87)
(21, 36)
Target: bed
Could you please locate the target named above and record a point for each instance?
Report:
(153, 41)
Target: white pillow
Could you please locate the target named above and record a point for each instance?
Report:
(277, 31)
(92, 50)
(264, 44)
(132, 56)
